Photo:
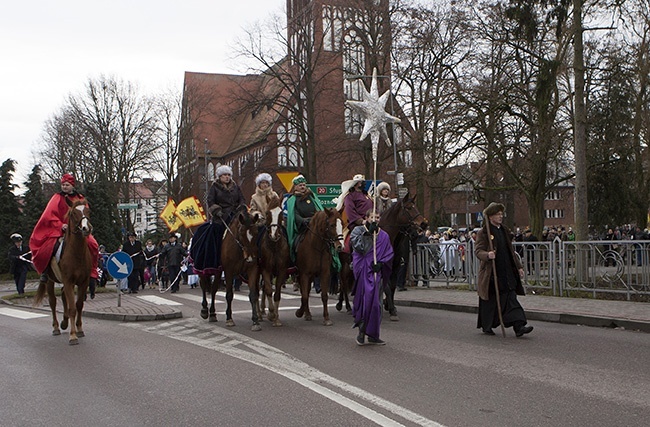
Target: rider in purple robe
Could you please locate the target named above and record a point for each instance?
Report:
(369, 276)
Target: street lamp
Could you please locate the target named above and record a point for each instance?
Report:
(392, 125)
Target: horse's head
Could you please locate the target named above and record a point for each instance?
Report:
(274, 219)
(334, 228)
(247, 227)
(408, 214)
(78, 221)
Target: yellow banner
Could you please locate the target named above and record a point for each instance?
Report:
(167, 215)
(190, 212)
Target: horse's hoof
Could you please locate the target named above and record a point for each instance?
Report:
(277, 323)
(204, 314)
(271, 317)
(348, 310)
(73, 341)
(308, 317)
(80, 334)
(339, 306)
(56, 332)
(256, 327)
(230, 323)
(64, 324)
(299, 313)
(212, 319)
(328, 322)
(394, 318)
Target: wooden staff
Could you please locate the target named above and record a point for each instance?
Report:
(494, 274)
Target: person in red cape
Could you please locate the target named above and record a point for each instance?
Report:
(52, 225)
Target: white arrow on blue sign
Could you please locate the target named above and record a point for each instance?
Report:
(119, 265)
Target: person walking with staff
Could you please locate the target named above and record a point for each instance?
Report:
(500, 269)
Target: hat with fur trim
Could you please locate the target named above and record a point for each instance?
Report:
(493, 208)
(381, 186)
(223, 170)
(263, 177)
(299, 180)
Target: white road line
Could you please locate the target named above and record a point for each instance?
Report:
(20, 314)
(158, 300)
(258, 353)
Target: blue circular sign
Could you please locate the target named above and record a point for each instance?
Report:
(119, 265)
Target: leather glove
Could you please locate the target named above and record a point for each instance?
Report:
(376, 267)
(215, 210)
(372, 227)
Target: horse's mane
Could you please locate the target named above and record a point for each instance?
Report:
(318, 220)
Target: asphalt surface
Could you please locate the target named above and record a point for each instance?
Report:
(581, 311)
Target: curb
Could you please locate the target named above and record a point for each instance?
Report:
(542, 316)
(120, 317)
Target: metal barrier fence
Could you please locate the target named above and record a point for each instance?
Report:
(558, 267)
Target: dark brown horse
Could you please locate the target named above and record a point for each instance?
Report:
(274, 259)
(401, 221)
(239, 258)
(73, 269)
(323, 240)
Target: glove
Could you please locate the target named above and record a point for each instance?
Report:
(372, 227)
(215, 210)
(376, 267)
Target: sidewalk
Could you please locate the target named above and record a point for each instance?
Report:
(589, 312)
(576, 311)
(104, 306)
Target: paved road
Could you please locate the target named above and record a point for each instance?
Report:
(436, 369)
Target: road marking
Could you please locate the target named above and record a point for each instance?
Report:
(195, 331)
(20, 314)
(158, 300)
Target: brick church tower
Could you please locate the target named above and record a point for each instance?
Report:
(292, 117)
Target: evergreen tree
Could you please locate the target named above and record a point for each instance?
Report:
(103, 213)
(10, 214)
(35, 201)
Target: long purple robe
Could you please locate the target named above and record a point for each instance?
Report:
(367, 298)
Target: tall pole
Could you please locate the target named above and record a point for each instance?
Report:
(206, 153)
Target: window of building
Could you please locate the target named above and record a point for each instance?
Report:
(554, 213)
(554, 195)
(138, 217)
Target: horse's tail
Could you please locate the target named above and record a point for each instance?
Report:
(40, 294)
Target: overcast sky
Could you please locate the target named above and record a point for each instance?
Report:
(50, 48)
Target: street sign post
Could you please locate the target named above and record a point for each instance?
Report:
(119, 266)
(127, 206)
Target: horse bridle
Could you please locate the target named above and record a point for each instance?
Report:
(78, 228)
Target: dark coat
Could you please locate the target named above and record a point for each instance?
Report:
(17, 265)
(228, 197)
(135, 251)
(172, 255)
(485, 271)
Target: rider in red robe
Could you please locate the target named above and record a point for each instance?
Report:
(52, 225)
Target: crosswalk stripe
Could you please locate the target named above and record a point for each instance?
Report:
(158, 300)
(20, 314)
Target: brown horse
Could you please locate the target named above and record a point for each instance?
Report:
(73, 269)
(239, 258)
(401, 221)
(314, 258)
(274, 260)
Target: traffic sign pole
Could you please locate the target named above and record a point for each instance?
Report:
(119, 266)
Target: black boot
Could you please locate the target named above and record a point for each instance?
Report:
(92, 285)
(361, 337)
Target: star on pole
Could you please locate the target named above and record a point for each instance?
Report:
(372, 109)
